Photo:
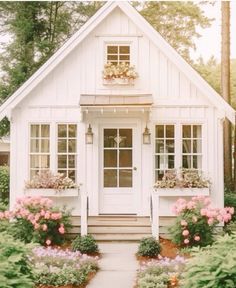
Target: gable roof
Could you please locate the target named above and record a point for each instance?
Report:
(149, 31)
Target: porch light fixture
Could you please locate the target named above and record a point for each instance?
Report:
(146, 136)
(89, 135)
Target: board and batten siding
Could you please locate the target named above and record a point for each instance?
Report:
(176, 99)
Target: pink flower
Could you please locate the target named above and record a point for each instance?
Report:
(210, 221)
(183, 223)
(48, 242)
(227, 218)
(61, 230)
(186, 241)
(36, 226)
(44, 227)
(185, 233)
(47, 215)
(203, 212)
(219, 218)
(197, 238)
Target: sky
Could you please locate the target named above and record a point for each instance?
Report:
(210, 42)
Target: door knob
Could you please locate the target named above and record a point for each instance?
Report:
(135, 168)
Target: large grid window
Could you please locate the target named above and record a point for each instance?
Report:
(117, 54)
(192, 146)
(66, 150)
(164, 150)
(39, 148)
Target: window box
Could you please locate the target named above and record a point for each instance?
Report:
(176, 192)
(118, 81)
(53, 192)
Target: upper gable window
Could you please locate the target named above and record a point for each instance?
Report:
(117, 54)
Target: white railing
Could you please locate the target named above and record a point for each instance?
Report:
(154, 214)
(84, 213)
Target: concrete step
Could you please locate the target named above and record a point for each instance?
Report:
(119, 229)
(120, 237)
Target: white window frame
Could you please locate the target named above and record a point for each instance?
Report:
(67, 153)
(165, 153)
(178, 142)
(38, 153)
(191, 154)
(119, 61)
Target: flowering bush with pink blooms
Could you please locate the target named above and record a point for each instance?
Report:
(36, 219)
(196, 220)
(53, 266)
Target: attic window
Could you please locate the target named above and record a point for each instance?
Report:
(117, 54)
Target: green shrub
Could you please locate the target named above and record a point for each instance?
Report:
(15, 271)
(230, 201)
(4, 184)
(85, 244)
(149, 247)
(213, 266)
(154, 281)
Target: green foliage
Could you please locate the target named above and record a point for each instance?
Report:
(153, 281)
(4, 183)
(85, 244)
(149, 247)
(213, 266)
(177, 22)
(15, 271)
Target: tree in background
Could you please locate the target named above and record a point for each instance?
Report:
(225, 87)
(177, 22)
(37, 29)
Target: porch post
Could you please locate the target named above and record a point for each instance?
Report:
(155, 215)
(84, 213)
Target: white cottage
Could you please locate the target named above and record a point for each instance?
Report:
(54, 112)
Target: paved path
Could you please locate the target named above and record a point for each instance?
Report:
(118, 266)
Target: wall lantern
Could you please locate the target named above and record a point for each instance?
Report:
(89, 135)
(146, 136)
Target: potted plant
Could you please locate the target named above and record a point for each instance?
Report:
(187, 182)
(122, 73)
(52, 185)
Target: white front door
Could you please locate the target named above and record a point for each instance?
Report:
(118, 188)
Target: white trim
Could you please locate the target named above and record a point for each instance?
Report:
(148, 30)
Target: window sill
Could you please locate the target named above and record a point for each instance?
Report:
(118, 82)
(175, 192)
(53, 192)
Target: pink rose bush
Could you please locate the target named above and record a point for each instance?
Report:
(36, 219)
(196, 220)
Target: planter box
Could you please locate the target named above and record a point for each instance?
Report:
(118, 81)
(53, 192)
(173, 192)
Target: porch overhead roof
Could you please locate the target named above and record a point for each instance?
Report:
(143, 100)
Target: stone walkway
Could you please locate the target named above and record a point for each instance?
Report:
(118, 266)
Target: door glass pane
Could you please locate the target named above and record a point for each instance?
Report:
(125, 177)
(109, 137)
(110, 178)
(171, 161)
(197, 162)
(71, 160)
(170, 146)
(72, 131)
(45, 161)
(71, 174)
(110, 158)
(159, 146)
(125, 137)
(170, 133)
(159, 131)
(125, 158)
(34, 161)
(160, 161)
(72, 145)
